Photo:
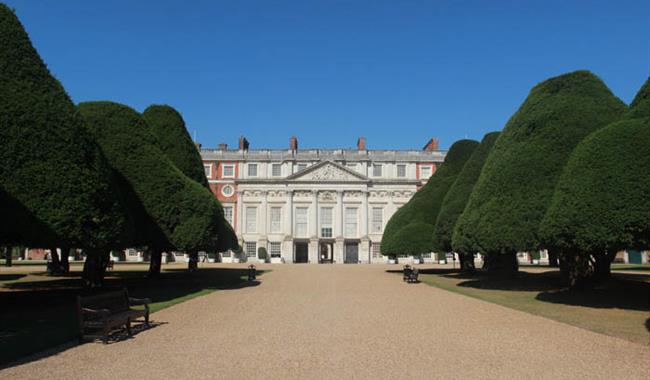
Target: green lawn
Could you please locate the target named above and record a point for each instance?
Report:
(620, 308)
(39, 311)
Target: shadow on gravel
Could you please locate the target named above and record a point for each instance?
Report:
(647, 324)
(11, 277)
(39, 315)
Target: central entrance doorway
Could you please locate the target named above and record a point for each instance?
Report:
(326, 252)
(351, 253)
(301, 253)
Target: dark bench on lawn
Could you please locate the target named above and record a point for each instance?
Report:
(410, 274)
(100, 314)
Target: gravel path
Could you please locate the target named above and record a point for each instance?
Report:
(346, 321)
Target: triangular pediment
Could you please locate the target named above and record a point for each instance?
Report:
(327, 171)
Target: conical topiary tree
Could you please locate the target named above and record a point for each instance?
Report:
(517, 181)
(56, 184)
(456, 199)
(602, 204)
(175, 142)
(181, 212)
(425, 204)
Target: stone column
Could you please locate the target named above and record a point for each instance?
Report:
(338, 244)
(313, 229)
(238, 216)
(263, 232)
(364, 248)
(287, 244)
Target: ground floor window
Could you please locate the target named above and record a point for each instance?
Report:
(376, 250)
(225, 254)
(274, 247)
(251, 247)
(426, 255)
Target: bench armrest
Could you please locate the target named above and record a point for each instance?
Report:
(99, 312)
(139, 301)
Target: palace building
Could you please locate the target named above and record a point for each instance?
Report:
(315, 205)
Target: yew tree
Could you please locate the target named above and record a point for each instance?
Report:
(56, 188)
(602, 204)
(424, 206)
(456, 199)
(517, 182)
(178, 213)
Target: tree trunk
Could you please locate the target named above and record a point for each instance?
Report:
(55, 262)
(603, 265)
(65, 262)
(193, 264)
(466, 262)
(503, 265)
(552, 259)
(155, 263)
(95, 268)
(9, 251)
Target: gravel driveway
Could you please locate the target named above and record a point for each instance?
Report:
(346, 321)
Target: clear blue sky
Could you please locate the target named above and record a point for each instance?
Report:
(396, 72)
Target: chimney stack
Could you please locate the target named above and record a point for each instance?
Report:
(293, 143)
(361, 143)
(243, 143)
(198, 146)
(431, 145)
(223, 146)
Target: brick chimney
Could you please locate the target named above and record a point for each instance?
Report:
(293, 143)
(431, 145)
(361, 143)
(223, 146)
(243, 143)
(198, 146)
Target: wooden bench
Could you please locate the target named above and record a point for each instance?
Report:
(100, 314)
(410, 274)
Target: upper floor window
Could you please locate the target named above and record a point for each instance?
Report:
(377, 219)
(301, 222)
(276, 219)
(326, 222)
(208, 170)
(252, 170)
(251, 219)
(276, 170)
(351, 222)
(425, 172)
(227, 214)
(401, 171)
(228, 171)
(376, 170)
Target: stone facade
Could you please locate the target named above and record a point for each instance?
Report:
(315, 205)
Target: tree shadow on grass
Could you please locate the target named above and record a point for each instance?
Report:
(42, 314)
(11, 276)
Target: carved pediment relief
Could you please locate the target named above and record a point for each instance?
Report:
(327, 171)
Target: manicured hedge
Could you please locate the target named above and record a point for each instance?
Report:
(519, 176)
(602, 203)
(425, 204)
(414, 238)
(183, 210)
(57, 187)
(174, 141)
(456, 199)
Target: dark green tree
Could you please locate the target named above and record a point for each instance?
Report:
(56, 184)
(425, 204)
(602, 204)
(456, 199)
(178, 213)
(519, 176)
(175, 142)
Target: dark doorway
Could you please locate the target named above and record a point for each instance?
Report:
(326, 253)
(301, 253)
(351, 253)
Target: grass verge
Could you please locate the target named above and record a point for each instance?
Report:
(620, 308)
(39, 311)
